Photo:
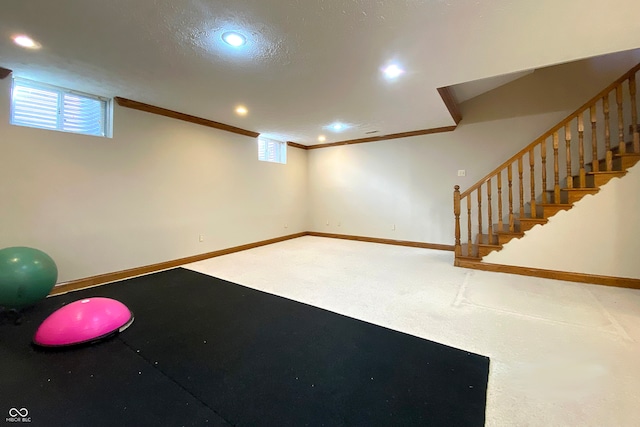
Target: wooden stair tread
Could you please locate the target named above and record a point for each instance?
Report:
(628, 147)
(621, 173)
(465, 252)
(488, 240)
(510, 233)
(621, 161)
(527, 223)
(517, 231)
(589, 190)
(505, 230)
(547, 210)
(537, 220)
(575, 189)
(556, 205)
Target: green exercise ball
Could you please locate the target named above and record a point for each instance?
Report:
(27, 275)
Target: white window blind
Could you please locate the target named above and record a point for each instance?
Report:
(48, 107)
(270, 150)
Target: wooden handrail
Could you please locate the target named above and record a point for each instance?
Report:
(551, 131)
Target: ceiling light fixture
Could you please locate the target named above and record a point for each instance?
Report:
(336, 127)
(25, 41)
(392, 71)
(241, 110)
(322, 138)
(234, 39)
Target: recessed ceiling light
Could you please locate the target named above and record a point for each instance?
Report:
(241, 110)
(337, 127)
(234, 39)
(25, 41)
(392, 71)
(322, 138)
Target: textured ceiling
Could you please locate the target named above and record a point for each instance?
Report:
(307, 63)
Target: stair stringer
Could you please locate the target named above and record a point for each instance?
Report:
(600, 235)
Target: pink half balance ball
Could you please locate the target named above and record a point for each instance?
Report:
(83, 321)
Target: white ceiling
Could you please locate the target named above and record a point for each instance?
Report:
(307, 63)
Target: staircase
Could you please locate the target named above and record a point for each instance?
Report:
(571, 160)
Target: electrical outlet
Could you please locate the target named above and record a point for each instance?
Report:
(201, 238)
(462, 172)
(393, 227)
(327, 222)
(286, 226)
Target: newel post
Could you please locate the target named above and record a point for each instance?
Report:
(456, 212)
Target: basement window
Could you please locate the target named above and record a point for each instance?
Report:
(43, 106)
(270, 150)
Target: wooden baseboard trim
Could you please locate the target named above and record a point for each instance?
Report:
(135, 105)
(620, 282)
(101, 279)
(384, 241)
(4, 73)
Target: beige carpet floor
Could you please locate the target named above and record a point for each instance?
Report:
(562, 354)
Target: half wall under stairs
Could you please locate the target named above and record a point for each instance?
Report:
(603, 227)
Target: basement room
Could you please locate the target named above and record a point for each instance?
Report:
(319, 213)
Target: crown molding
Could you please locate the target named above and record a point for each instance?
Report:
(450, 101)
(4, 73)
(128, 103)
(296, 145)
(384, 137)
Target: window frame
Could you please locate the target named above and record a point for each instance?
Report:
(278, 155)
(106, 120)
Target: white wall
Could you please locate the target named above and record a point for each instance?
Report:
(599, 235)
(101, 205)
(367, 188)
